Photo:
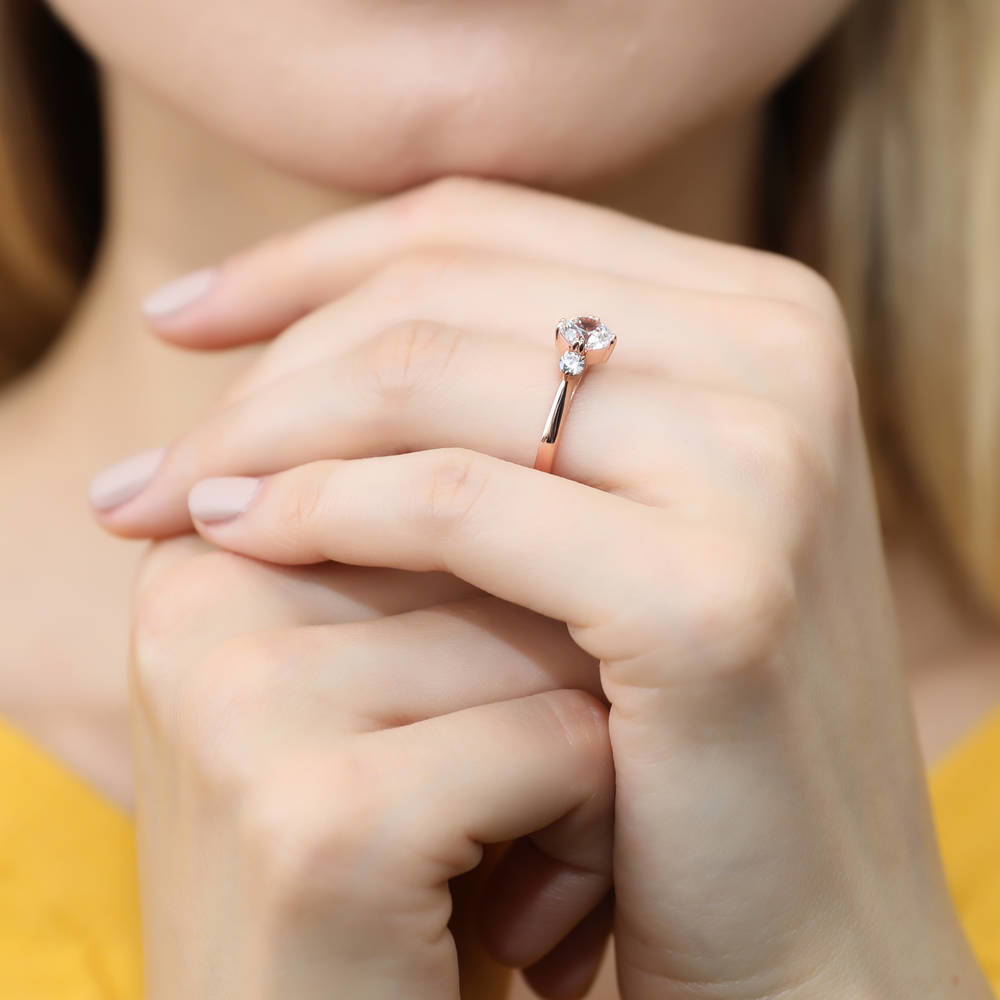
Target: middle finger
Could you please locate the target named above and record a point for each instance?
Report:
(422, 386)
(727, 340)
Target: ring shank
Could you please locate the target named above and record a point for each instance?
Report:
(546, 455)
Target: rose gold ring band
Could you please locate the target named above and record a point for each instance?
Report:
(581, 343)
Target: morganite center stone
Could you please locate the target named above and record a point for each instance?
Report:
(586, 332)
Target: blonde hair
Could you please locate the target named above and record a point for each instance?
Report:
(889, 141)
(910, 238)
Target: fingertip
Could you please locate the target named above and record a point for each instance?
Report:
(199, 312)
(221, 499)
(533, 901)
(219, 307)
(125, 502)
(178, 301)
(571, 969)
(127, 523)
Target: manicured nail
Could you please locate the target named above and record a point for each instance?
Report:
(125, 479)
(177, 295)
(222, 498)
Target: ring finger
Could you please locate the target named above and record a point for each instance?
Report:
(730, 341)
(423, 385)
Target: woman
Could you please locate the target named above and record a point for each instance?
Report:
(381, 659)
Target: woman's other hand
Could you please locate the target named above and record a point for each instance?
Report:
(712, 542)
(308, 790)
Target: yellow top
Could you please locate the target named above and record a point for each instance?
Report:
(69, 925)
(69, 914)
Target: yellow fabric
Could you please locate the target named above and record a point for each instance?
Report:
(965, 791)
(69, 924)
(69, 916)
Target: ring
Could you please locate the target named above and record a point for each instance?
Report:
(581, 343)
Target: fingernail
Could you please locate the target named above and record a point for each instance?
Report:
(125, 479)
(222, 498)
(178, 294)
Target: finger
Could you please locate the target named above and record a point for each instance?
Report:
(398, 671)
(424, 386)
(526, 897)
(457, 390)
(415, 665)
(552, 781)
(389, 839)
(570, 969)
(426, 662)
(260, 292)
(482, 519)
(519, 534)
(721, 340)
(195, 597)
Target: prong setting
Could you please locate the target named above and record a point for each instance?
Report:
(586, 334)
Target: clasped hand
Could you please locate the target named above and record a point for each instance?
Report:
(675, 661)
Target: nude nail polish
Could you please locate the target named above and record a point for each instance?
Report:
(178, 295)
(125, 479)
(222, 498)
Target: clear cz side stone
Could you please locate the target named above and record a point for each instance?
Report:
(572, 363)
(571, 333)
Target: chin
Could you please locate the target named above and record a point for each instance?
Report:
(379, 95)
(513, 128)
(389, 154)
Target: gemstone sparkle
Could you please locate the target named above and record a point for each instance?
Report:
(572, 363)
(586, 332)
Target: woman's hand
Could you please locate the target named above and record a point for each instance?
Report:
(713, 544)
(307, 789)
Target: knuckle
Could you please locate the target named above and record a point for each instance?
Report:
(171, 600)
(776, 451)
(163, 554)
(809, 344)
(300, 503)
(826, 354)
(816, 360)
(797, 282)
(730, 617)
(421, 209)
(411, 356)
(455, 481)
(177, 592)
(738, 609)
(314, 850)
(835, 393)
(456, 188)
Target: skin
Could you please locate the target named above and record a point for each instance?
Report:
(213, 628)
(729, 702)
(585, 62)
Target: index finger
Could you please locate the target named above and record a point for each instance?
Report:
(628, 578)
(256, 294)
